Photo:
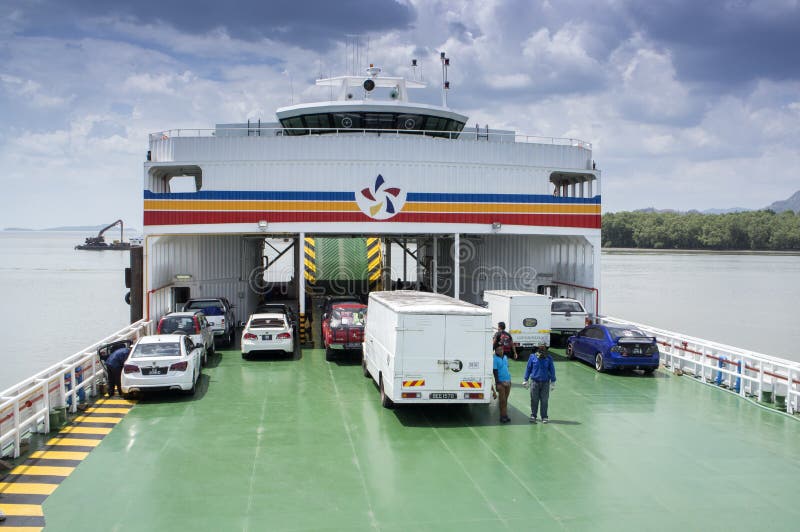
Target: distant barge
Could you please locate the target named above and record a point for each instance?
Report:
(98, 243)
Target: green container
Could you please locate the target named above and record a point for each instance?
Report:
(58, 418)
(780, 401)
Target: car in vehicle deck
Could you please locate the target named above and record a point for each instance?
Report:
(162, 362)
(343, 328)
(567, 317)
(192, 323)
(616, 347)
(267, 332)
(280, 308)
(219, 313)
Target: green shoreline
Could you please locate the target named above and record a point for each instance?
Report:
(653, 251)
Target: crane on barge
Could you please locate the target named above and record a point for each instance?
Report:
(98, 243)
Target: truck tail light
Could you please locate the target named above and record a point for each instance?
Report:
(160, 323)
(179, 366)
(284, 336)
(130, 368)
(250, 336)
(196, 325)
(473, 395)
(411, 395)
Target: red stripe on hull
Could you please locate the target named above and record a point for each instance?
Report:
(587, 221)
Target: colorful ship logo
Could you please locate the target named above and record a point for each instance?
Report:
(381, 202)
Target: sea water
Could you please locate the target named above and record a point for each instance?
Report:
(55, 300)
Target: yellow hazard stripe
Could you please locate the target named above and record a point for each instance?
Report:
(310, 265)
(27, 488)
(102, 410)
(470, 384)
(97, 419)
(23, 510)
(85, 430)
(116, 402)
(59, 455)
(77, 442)
(42, 470)
(410, 384)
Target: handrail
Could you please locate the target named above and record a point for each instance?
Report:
(747, 373)
(26, 406)
(279, 131)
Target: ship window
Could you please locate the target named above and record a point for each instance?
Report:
(315, 121)
(183, 183)
(379, 121)
(291, 123)
(433, 123)
(347, 121)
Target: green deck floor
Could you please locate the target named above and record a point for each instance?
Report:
(302, 444)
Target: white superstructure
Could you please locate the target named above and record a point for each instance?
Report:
(484, 209)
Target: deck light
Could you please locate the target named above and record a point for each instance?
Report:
(183, 277)
(496, 226)
(262, 224)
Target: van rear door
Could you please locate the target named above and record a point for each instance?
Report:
(531, 324)
(422, 348)
(465, 353)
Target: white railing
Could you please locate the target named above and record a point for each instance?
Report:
(25, 407)
(751, 375)
(274, 132)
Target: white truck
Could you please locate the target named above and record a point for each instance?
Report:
(426, 348)
(526, 315)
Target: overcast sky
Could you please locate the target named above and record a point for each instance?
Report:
(689, 105)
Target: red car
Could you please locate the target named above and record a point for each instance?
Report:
(343, 327)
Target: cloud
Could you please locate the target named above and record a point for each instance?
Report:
(82, 84)
(312, 24)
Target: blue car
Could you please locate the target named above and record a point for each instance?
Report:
(614, 347)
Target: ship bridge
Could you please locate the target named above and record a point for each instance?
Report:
(465, 209)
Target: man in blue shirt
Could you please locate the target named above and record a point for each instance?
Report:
(114, 364)
(502, 379)
(542, 372)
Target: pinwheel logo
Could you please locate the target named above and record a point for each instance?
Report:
(381, 202)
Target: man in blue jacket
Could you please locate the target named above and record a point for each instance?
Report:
(542, 372)
(114, 364)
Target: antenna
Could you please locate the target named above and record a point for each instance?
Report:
(445, 82)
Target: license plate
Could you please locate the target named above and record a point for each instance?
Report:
(637, 351)
(443, 396)
(266, 337)
(352, 346)
(154, 371)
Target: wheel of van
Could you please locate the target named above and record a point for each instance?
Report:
(649, 371)
(213, 350)
(385, 401)
(364, 367)
(230, 338)
(570, 351)
(204, 363)
(598, 362)
(329, 356)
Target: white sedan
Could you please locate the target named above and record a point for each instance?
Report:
(267, 332)
(162, 362)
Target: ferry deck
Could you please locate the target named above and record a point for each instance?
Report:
(301, 444)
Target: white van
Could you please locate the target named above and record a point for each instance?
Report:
(421, 347)
(526, 315)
